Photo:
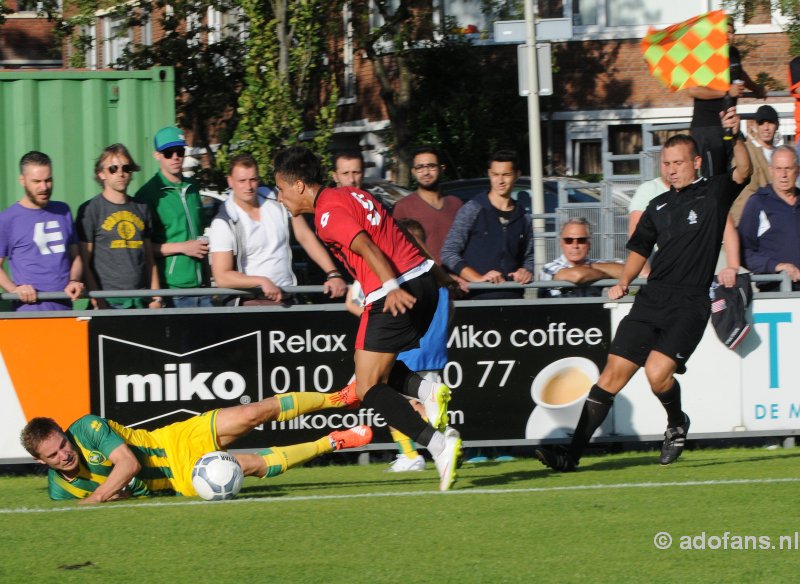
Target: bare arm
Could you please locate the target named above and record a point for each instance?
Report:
(741, 157)
(126, 466)
(74, 288)
(397, 300)
(6, 283)
(317, 252)
(633, 265)
(586, 274)
(150, 268)
(226, 276)
(87, 253)
(194, 248)
(633, 221)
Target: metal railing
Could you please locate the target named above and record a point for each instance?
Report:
(782, 278)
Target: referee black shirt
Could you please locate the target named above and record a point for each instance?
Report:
(687, 225)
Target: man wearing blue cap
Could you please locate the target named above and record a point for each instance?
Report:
(178, 219)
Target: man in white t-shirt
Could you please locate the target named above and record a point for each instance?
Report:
(249, 240)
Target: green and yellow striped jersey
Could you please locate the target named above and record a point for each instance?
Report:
(95, 438)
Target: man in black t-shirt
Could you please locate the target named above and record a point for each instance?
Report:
(708, 103)
(669, 314)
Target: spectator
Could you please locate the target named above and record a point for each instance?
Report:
(174, 200)
(250, 237)
(38, 238)
(427, 204)
(348, 169)
(491, 239)
(706, 127)
(114, 234)
(646, 192)
(574, 264)
(760, 147)
(771, 222)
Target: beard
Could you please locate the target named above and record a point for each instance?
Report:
(36, 200)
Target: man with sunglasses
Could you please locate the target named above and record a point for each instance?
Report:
(574, 264)
(178, 224)
(114, 234)
(427, 204)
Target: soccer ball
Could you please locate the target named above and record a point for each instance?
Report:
(217, 476)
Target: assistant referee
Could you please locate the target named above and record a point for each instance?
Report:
(670, 313)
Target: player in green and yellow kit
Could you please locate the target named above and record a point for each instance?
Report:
(99, 460)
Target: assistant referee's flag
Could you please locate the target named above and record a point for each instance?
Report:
(691, 53)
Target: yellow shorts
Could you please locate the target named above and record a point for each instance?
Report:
(176, 447)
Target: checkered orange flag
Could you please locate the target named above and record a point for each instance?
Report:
(691, 53)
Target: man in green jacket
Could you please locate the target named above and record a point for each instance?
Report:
(178, 223)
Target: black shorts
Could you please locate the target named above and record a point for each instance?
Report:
(381, 332)
(664, 319)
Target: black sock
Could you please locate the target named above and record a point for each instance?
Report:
(595, 410)
(398, 412)
(404, 380)
(671, 400)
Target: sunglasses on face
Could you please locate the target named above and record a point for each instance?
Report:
(571, 240)
(170, 152)
(126, 168)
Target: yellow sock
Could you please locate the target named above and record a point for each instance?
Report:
(301, 402)
(404, 444)
(279, 459)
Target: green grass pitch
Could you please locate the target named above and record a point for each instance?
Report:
(503, 522)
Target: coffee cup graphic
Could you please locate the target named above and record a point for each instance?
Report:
(559, 391)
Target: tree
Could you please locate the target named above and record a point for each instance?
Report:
(286, 88)
(208, 75)
(389, 48)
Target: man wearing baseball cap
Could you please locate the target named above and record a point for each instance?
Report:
(760, 146)
(177, 219)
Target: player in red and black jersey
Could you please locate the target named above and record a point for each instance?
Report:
(400, 284)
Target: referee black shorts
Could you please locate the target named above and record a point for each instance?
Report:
(666, 319)
(381, 332)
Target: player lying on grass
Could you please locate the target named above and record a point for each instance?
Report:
(99, 460)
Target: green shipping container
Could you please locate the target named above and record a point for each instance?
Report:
(72, 115)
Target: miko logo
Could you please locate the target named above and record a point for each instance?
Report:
(45, 234)
(138, 380)
(692, 218)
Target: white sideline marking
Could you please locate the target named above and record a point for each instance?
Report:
(273, 500)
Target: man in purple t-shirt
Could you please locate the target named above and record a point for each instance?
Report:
(427, 204)
(38, 238)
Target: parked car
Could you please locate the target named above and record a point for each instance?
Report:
(606, 245)
(468, 188)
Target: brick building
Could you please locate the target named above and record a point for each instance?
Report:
(27, 40)
(605, 101)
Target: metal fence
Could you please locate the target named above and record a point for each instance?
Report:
(608, 217)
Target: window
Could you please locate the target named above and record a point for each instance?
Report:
(222, 25)
(625, 139)
(116, 36)
(29, 5)
(89, 33)
(640, 13)
(348, 58)
(587, 157)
